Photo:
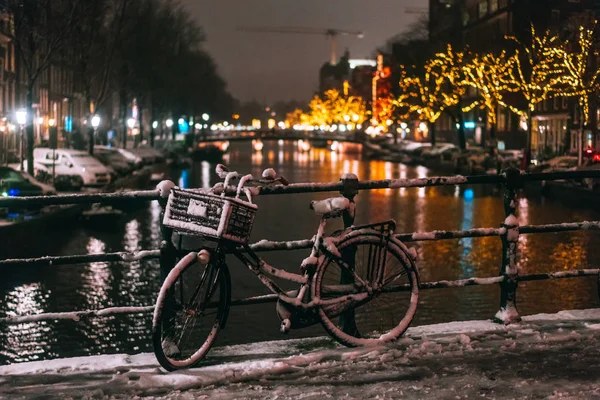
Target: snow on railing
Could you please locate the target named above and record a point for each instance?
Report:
(349, 186)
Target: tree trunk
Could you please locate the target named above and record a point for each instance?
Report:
(462, 139)
(29, 128)
(527, 153)
(123, 115)
(432, 132)
(173, 128)
(91, 139)
(140, 118)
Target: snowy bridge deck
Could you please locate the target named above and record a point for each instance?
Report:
(508, 231)
(544, 356)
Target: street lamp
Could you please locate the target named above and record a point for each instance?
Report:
(95, 121)
(21, 116)
(205, 117)
(155, 125)
(169, 123)
(131, 123)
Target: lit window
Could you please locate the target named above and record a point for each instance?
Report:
(483, 8)
(493, 5)
(465, 18)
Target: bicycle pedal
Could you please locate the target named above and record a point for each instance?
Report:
(285, 325)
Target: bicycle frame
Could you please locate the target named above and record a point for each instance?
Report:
(263, 271)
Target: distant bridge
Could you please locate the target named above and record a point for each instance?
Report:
(282, 134)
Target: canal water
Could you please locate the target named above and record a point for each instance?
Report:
(31, 290)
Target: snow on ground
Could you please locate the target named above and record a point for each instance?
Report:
(546, 356)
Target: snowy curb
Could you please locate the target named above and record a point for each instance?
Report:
(298, 358)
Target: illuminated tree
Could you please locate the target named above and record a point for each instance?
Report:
(296, 117)
(336, 108)
(433, 92)
(581, 73)
(535, 70)
(490, 75)
(452, 62)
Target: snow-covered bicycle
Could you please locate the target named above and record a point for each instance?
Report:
(360, 283)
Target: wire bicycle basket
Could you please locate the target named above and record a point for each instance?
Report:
(198, 213)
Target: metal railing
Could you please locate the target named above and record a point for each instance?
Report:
(349, 186)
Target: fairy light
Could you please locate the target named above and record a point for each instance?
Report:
(490, 75)
(579, 78)
(333, 108)
(439, 87)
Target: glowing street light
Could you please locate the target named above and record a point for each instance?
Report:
(205, 117)
(155, 124)
(169, 123)
(95, 121)
(52, 122)
(131, 123)
(21, 117)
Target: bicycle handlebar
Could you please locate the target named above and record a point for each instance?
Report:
(269, 177)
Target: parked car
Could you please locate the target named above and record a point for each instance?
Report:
(148, 155)
(113, 158)
(511, 158)
(131, 157)
(561, 163)
(18, 183)
(431, 156)
(74, 162)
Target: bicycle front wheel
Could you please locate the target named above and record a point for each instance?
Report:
(191, 309)
(369, 295)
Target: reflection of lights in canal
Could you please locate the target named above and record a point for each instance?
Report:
(205, 174)
(27, 340)
(184, 179)
(469, 194)
(467, 243)
(97, 275)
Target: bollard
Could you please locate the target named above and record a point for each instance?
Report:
(350, 190)
(510, 240)
(168, 253)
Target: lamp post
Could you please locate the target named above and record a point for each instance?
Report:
(205, 118)
(169, 124)
(153, 133)
(21, 116)
(95, 122)
(53, 136)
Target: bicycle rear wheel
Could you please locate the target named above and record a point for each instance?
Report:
(192, 306)
(372, 316)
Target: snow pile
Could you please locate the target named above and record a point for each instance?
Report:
(545, 356)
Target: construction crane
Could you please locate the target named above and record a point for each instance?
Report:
(332, 34)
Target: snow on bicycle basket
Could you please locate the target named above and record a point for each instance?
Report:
(210, 215)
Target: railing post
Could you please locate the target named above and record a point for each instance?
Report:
(508, 288)
(350, 182)
(350, 190)
(168, 253)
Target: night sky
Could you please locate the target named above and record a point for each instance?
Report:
(270, 66)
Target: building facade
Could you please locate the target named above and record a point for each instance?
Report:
(482, 25)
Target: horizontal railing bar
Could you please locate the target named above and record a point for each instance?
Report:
(81, 259)
(148, 195)
(74, 315)
(558, 275)
(266, 245)
(271, 298)
(79, 198)
(442, 235)
(554, 176)
(564, 227)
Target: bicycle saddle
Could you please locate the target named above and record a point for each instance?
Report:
(330, 208)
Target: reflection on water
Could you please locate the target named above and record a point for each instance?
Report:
(98, 285)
